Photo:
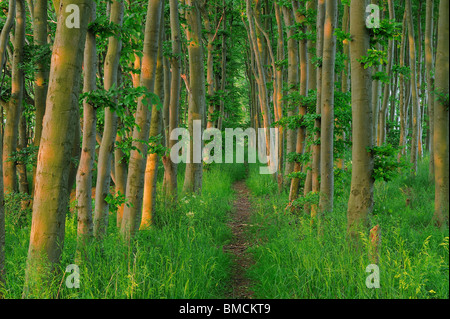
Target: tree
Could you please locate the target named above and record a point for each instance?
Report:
(84, 174)
(196, 92)
(151, 168)
(110, 126)
(416, 117)
(327, 109)
(301, 131)
(51, 188)
(136, 167)
(293, 85)
(3, 43)
(441, 104)
(41, 77)
(315, 162)
(14, 107)
(170, 168)
(429, 62)
(360, 203)
(382, 114)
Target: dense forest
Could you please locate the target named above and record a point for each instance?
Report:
(211, 149)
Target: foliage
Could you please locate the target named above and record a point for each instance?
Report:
(374, 58)
(386, 164)
(27, 155)
(296, 261)
(34, 54)
(18, 209)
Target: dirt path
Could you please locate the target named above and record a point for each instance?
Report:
(240, 284)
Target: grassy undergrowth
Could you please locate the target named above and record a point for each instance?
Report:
(293, 261)
(181, 256)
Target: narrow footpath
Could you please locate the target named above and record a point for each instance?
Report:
(240, 285)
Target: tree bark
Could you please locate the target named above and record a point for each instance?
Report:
(301, 131)
(278, 96)
(429, 62)
(136, 168)
(194, 171)
(85, 169)
(151, 168)
(4, 38)
(416, 119)
(104, 161)
(170, 168)
(345, 74)
(14, 107)
(382, 114)
(327, 110)
(360, 202)
(441, 118)
(315, 163)
(41, 76)
(402, 93)
(293, 85)
(51, 195)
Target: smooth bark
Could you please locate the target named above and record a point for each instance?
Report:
(51, 194)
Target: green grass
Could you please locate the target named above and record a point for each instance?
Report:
(181, 256)
(293, 261)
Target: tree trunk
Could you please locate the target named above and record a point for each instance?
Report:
(327, 101)
(51, 195)
(14, 107)
(21, 166)
(194, 171)
(293, 86)
(210, 81)
(429, 62)
(415, 139)
(315, 163)
(345, 74)
(312, 84)
(136, 168)
(223, 73)
(279, 94)
(104, 161)
(441, 118)
(170, 168)
(301, 131)
(360, 202)
(382, 114)
(86, 167)
(4, 38)
(4, 35)
(402, 93)
(151, 168)
(41, 75)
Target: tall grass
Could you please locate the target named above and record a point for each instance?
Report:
(180, 256)
(293, 261)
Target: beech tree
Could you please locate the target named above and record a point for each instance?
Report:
(196, 93)
(110, 126)
(14, 106)
(441, 118)
(85, 169)
(360, 203)
(327, 109)
(135, 179)
(51, 187)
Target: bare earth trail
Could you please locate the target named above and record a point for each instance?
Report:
(242, 259)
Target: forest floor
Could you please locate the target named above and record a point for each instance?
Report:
(240, 217)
